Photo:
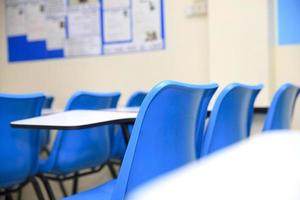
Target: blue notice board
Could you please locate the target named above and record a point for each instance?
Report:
(288, 22)
(46, 29)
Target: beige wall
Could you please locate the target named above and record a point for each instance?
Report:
(185, 59)
(287, 69)
(239, 49)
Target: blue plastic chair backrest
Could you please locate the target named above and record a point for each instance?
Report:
(280, 113)
(230, 116)
(136, 99)
(163, 136)
(251, 111)
(79, 149)
(48, 102)
(19, 148)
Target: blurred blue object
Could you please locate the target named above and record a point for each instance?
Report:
(233, 174)
(230, 117)
(119, 145)
(19, 148)
(162, 140)
(280, 113)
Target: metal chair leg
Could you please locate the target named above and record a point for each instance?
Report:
(48, 187)
(75, 183)
(37, 188)
(8, 197)
(112, 170)
(20, 194)
(62, 187)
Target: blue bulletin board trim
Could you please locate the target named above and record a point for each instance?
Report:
(19, 49)
(102, 26)
(162, 18)
(288, 22)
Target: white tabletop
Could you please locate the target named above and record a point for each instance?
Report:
(265, 167)
(49, 111)
(76, 119)
(124, 109)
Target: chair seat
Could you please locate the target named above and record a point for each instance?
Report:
(102, 192)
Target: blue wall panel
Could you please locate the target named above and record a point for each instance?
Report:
(289, 22)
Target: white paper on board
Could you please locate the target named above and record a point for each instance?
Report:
(55, 8)
(82, 46)
(35, 21)
(83, 29)
(84, 20)
(56, 33)
(147, 20)
(116, 4)
(146, 28)
(14, 2)
(117, 25)
(15, 20)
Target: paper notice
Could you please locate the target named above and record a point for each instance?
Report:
(117, 25)
(15, 20)
(147, 20)
(55, 8)
(84, 20)
(113, 4)
(35, 21)
(82, 46)
(14, 2)
(83, 29)
(56, 33)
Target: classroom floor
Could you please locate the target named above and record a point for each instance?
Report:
(84, 184)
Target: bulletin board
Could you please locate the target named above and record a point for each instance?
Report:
(46, 29)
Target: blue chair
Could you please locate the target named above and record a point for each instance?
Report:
(280, 113)
(48, 102)
(162, 140)
(230, 116)
(45, 134)
(119, 146)
(19, 148)
(77, 150)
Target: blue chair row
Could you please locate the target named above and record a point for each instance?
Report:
(158, 144)
(232, 112)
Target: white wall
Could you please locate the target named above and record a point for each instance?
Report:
(185, 59)
(287, 65)
(239, 49)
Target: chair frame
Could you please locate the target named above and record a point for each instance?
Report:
(47, 177)
(7, 193)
